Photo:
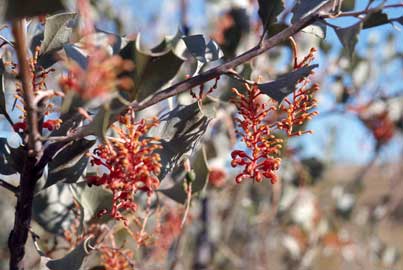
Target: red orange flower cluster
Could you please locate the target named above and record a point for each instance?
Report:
(257, 137)
(217, 177)
(116, 259)
(382, 127)
(262, 160)
(298, 108)
(168, 229)
(100, 77)
(131, 162)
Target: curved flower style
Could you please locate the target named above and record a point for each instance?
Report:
(257, 137)
(131, 162)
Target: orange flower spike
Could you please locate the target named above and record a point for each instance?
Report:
(297, 109)
(132, 163)
(256, 136)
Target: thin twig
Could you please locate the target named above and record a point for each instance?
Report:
(8, 186)
(210, 74)
(361, 12)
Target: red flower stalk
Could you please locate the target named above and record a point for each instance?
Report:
(168, 229)
(257, 137)
(298, 108)
(20, 126)
(132, 163)
(203, 94)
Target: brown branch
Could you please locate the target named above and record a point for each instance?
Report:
(29, 175)
(185, 85)
(28, 92)
(361, 12)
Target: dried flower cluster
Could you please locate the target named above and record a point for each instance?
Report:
(131, 162)
(263, 158)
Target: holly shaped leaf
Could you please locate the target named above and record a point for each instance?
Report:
(58, 29)
(303, 8)
(348, 37)
(152, 70)
(269, 10)
(69, 164)
(92, 199)
(74, 260)
(180, 131)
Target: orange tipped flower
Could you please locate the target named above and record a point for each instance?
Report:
(132, 163)
(257, 137)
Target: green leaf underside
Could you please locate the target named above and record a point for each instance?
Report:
(58, 30)
(69, 164)
(92, 199)
(29, 8)
(200, 167)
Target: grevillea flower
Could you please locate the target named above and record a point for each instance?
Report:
(167, 231)
(217, 177)
(256, 135)
(381, 126)
(52, 124)
(20, 126)
(116, 258)
(298, 107)
(131, 162)
(263, 160)
(100, 77)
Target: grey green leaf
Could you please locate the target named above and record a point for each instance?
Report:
(200, 167)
